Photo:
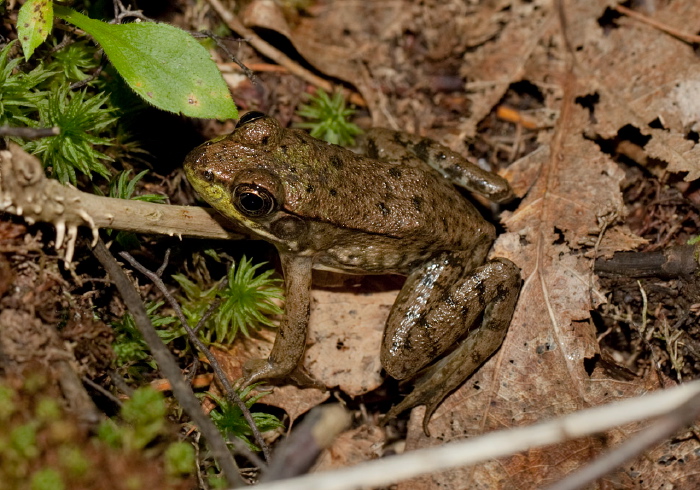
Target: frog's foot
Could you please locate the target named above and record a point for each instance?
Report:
(438, 381)
(256, 370)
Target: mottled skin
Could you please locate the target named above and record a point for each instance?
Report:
(326, 207)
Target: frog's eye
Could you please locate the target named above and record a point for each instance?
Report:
(253, 201)
(250, 117)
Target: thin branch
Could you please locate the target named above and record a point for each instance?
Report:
(669, 424)
(274, 54)
(82, 83)
(166, 362)
(299, 451)
(683, 36)
(101, 390)
(671, 262)
(231, 394)
(119, 382)
(29, 133)
(217, 39)
(26, 191)
(498, 444)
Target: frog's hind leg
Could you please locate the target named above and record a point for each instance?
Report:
(414, 339)
(383, 143)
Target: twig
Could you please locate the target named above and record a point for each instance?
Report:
(683, 36)
(168, 366)
(166, 259)
(101, 390)
(243, 450)
(119, 382)
(26, 191)
(645, 306)
(667, 263)
(669, 424)
(29, 133)
(82, 83)
(274, 54)
(217, 39)
(494, 445)
(301, 449)
(231, 394)
(207, 314)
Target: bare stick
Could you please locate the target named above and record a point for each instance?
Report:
(683, 36)
(669, 424)
(300, 450)
(669, 263)
(25, 191)
(493, 445)
(166, 362)
(29, 133)
(231, 394)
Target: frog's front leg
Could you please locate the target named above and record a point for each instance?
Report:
(290, 341)
(435, 314)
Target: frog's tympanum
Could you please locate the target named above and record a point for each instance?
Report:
(394, 211)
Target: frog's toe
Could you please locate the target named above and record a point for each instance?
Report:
(302, 379)
(417, 397)
(255, 370)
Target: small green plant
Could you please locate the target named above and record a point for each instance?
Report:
(42, 446)
(179, 459)
(121, 187)
(81, 118)
(74, 62)
(229, 419)
(247, 301)
(47, 479)
(129, 346)
(19, 92)
(329, 119)
(144, 414)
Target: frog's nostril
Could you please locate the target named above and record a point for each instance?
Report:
(208, 175)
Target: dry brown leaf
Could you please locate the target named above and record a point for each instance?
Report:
(345, 330)
(498, 63)
(642, 79)
(547, 366)
(352, 447)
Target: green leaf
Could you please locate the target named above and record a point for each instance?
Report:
(34, 22)
(163, 64)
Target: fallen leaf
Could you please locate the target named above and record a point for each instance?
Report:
(351, 447)
(346, 333)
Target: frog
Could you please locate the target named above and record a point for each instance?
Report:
(396, 209)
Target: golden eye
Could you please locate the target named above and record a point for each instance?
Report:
(253, 201)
